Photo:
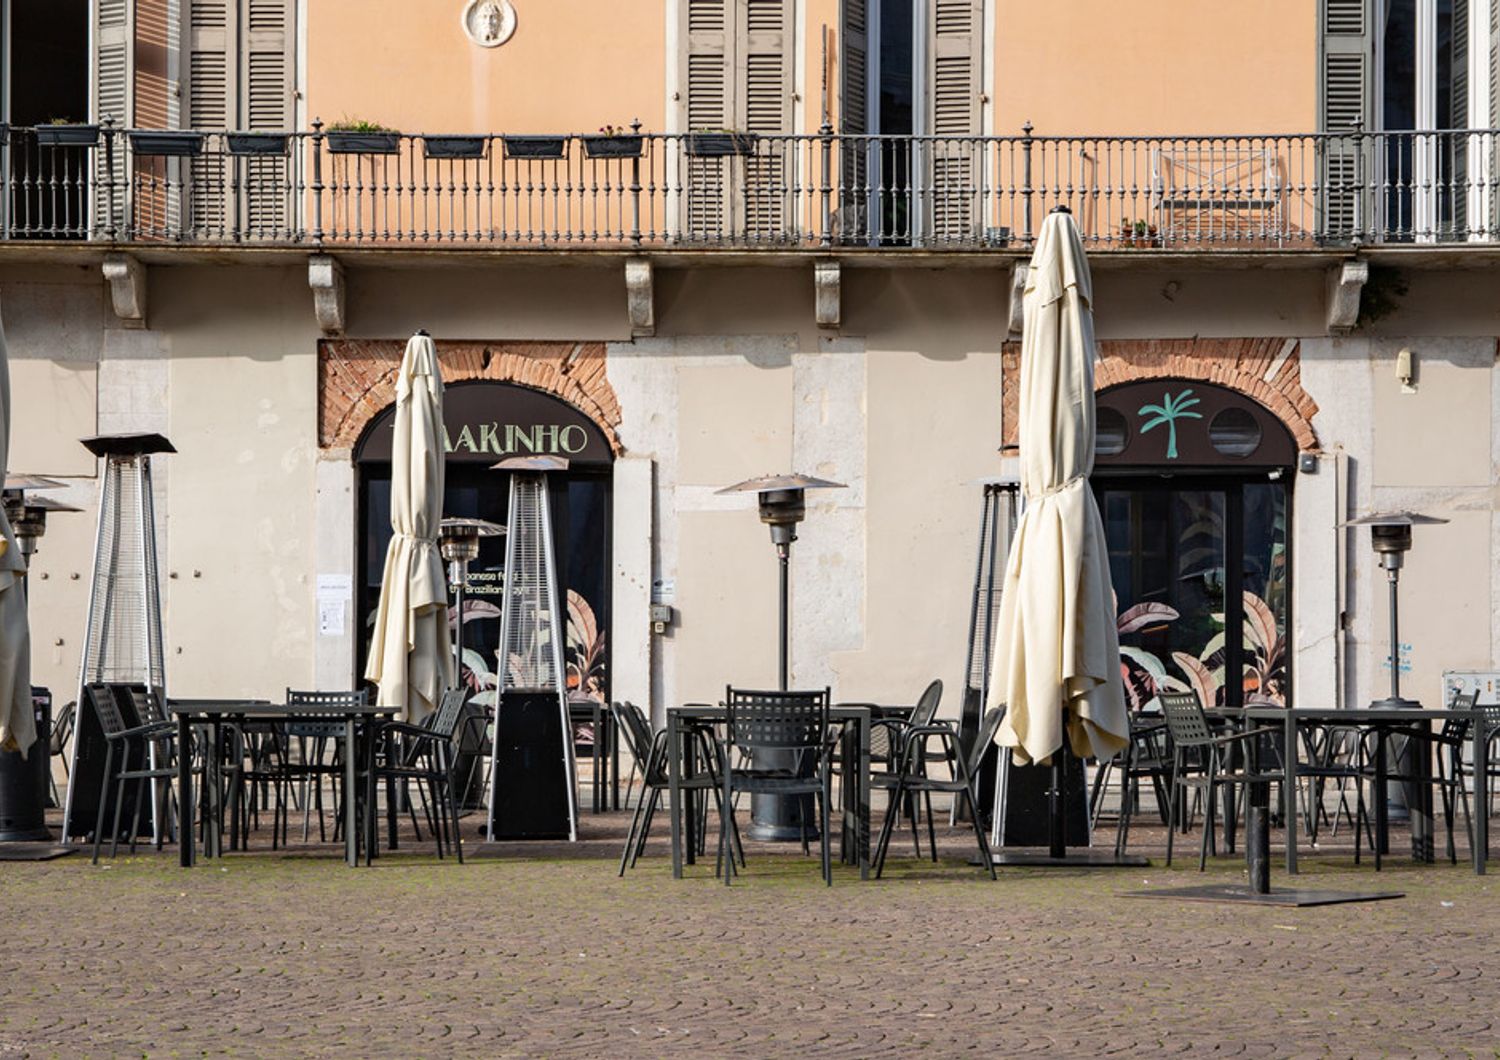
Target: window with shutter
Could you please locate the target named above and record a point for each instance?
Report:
(954, 56)
(854, 117)
(211, 105)
(710, 45)
(111, 96)
(766, 76)
(1345, 96)
(269, 77)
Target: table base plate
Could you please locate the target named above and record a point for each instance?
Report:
(1279, 896)
(33, 851)
(1073, 859)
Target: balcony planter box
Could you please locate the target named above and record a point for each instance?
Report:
(345, 142)
(454, 146)
(717, 145)
(613, 146)
(169, 144)
(69, 135)
(535, 146)
(256, 143)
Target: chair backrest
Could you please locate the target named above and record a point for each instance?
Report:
(1458, 728)
(777, 721)
(332, 700)
(147, 706)
(62, 728)
(449, 713)
(635, 728)
(988, 726)
(1186, 722)
(106, 709)
(928, 703)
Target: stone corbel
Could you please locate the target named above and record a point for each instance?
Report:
(127, 288)
(1344, 287)
(827, 292)
(1017, 315)
(326, 278)
(640, 296)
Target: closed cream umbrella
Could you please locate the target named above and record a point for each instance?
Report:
(17, 723)
(410, 653)
(1057, 655)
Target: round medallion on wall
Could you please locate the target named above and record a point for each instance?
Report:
(489, 23)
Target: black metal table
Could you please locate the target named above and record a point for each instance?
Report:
(1387, 722)
(854, 840)
(214, 713)
(605, 786)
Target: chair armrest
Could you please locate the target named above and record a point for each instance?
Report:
(1241, 737)
(405, 728)
(149, 729)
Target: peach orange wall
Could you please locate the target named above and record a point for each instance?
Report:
(572, 65)
(1141, 67)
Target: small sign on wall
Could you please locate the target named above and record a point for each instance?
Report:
(335, 591)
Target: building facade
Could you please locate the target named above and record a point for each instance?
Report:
(687, 242)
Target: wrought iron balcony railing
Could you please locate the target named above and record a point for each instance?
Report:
(725, 190)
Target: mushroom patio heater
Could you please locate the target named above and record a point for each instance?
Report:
(458, 542)
(1390, 534)
(783, 504)
(532, 791)
(122, 639)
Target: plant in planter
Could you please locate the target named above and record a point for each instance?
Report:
(1145, 235)
(715, 143)
(256, 143)
(170, 143)
(615, 141)
(61, 131)
(358, 137)
(455, 146)
(535, 146)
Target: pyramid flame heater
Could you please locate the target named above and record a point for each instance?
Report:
(532, 772)
(122, 642)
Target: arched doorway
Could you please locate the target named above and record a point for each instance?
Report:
(485, 422)
(1194, 483)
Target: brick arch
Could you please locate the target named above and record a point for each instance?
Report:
(357, 379)
(1268, 371)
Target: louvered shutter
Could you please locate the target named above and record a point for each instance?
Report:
(1491, 147)
(710, 43)
(269, 74)
(854, 119)
(1346, 97)
(212, 42)
(111, 93)
(764, 68)
(1456, 180)
(955, 30)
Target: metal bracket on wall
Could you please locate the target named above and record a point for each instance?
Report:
(1345, 285)
(326, 278)
(127, 288)
(827, 292)
(640, 296)
(1017, 315)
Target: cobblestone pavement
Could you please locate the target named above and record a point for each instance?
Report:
(542, 951)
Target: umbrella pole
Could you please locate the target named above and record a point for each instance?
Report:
(1057, 804)
(783, 555)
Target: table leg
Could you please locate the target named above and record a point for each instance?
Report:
(597, 784)
(216, 818)
(1419, 795)
(862, 778)
(1382, 809)
(351, 796)
(186, 842)
(690, 803)
(372, 819)
(674, 792)
(1289, 792)
(1257, 824)
(848, 756)
(614, 760)
(1481, 760)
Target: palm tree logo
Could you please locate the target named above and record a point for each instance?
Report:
(1172, 409)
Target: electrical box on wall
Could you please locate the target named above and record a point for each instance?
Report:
(1462, 682)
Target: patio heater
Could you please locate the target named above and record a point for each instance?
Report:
(28, 514)
(532, 772)
(1390, 534)
(458, 543)
(122, 640)
(783, 504)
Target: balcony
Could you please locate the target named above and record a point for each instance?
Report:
(819, 193)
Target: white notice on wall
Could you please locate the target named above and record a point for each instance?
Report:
(334, 594)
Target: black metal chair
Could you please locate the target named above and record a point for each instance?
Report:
(885, 739)
(1449, 742)
(424, 754)
(319, 757)
(1333, 753)
(57, 744)
(1199, 761)
(1491, 712)
(786, 738)
(650, 751)
(912, 778)
(144, 753)
(1146, 757)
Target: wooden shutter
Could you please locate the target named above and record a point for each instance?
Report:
(764, 74)
(954, 33)
(710, 44)
(268, 75)
(212, 41)
(1455, 149)
(854, 118)
(1345, 97)
(111, 93)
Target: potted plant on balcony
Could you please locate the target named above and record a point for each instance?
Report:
(615, 141)
(715, 143)
(353, 136)
(455, 146)
(256, 143)
(170, 143)
(62, 132)
(1145, 235)
(535, 146)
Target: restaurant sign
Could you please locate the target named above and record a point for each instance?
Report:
(486, 421)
